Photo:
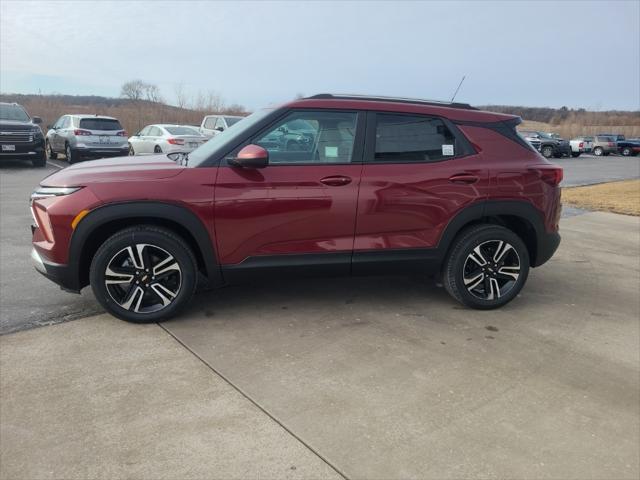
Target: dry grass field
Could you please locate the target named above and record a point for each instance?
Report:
(617, 197)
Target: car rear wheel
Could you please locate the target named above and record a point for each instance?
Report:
(627, 152)
(132, 152)
(50, 153)
(487, 267)
(143, 274)
(157, 149)
(72, 157)
(547, 151)
(598, 151)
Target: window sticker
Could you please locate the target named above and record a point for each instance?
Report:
(447, 150)
(331, 152)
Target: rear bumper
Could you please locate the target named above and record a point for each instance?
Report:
(102, 151)
(547, 245)
(55, 272)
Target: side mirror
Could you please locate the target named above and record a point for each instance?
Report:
(251, 156)
(36, 120)
(219, 129)
(49, 127)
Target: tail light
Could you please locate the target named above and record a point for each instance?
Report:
(581, 145)
(84, 133)
(123, 133)
(550, 174)
(175, 141)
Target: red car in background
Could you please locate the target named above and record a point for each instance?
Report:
(373, 185)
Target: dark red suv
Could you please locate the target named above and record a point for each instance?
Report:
(325, 185)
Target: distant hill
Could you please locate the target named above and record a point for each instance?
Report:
(133, 114)
(136, 114)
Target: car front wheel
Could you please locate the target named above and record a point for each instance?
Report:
(143, 274)
(626, 151)
(547, 152)
(50, 153)
(487, 267)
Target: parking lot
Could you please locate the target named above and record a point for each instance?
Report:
(356, 378)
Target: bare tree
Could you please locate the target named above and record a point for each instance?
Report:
(181, 95)
(152, 93)
(215, 103)
(133, 89)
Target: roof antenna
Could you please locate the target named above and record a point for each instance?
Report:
(459, 85)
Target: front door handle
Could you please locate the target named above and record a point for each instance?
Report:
(336, 180)
(463, 178)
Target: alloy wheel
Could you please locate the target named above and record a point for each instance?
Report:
(491, 270)
(143, 278)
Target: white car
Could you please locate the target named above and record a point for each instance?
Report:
(214, 124)
(581, 145)
(162, 138)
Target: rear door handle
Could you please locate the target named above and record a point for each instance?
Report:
(336, 180)
(463, 178)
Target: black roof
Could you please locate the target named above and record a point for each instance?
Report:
(435, 103)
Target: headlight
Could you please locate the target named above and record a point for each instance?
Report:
(43, 192)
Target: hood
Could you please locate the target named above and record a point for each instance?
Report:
(120, 169)
(16, 126)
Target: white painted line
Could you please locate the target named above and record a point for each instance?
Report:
(54, 165)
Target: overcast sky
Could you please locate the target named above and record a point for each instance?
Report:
(578, 54)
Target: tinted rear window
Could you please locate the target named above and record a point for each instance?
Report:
(181, 131)
(100, 124)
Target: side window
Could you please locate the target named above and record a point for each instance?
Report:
(220, 123)
(144, 131)
(64, 122)
(58, 123)
(209, 123)
(155, 132)
(311, 137)
(412, 138)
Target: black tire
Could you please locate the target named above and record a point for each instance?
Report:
(50, 153)
(40, 160)
(156, 240)
(459, 259)
(575, 154)
(627, 152)
(606, 154)
(547, 151)
(157, 149)
(132, 152)
(72, 157)
(598, 151)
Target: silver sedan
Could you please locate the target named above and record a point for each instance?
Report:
(163, 138)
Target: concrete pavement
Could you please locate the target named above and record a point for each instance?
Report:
(380, 377)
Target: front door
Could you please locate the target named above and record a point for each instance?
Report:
(297, 215)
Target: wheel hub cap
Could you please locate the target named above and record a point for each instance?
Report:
(491, 270)
(143, 278)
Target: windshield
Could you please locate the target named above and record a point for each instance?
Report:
(13, 112)
(544, 135)
(232, 120)
(182, 131)
(202, 153)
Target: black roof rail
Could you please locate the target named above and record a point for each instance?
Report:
(435, 103)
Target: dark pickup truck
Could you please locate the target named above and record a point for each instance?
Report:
(20, 135)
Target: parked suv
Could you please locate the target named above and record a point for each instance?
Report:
(86, 136)
(603, 145)
(20, 135)
(549, 145)
(214, 124)
(387, 186)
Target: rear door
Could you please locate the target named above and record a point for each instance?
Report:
(299, 212)
(418, 172)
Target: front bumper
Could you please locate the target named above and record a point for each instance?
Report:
(23, 150)
(55, 272)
